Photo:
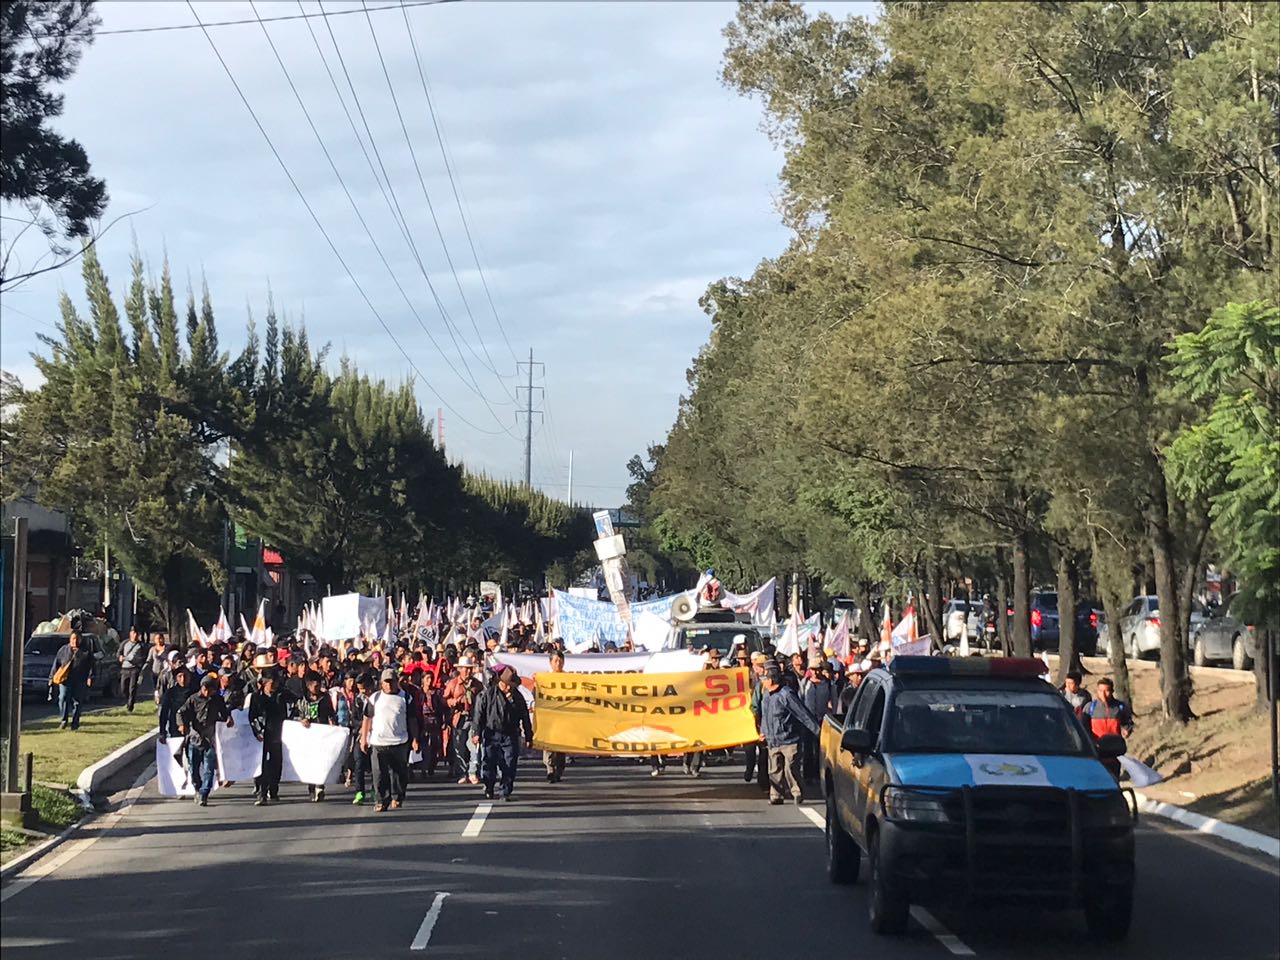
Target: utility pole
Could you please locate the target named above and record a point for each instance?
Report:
(528, 414)
(440, 428)
(571, 478)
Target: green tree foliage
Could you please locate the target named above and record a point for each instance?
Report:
(42, 171)
(1231, 453)
(120, 435)
(1003, 213)
(154, 439)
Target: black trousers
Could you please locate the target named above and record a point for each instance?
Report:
(391, 772)
(267, 783)
(130, 680)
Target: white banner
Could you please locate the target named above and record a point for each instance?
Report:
(171, 778)
(239, 751)
(344, 615)
(312, 754)
(758, 603)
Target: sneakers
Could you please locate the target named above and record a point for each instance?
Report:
(488, 793)
(359, 798)
(196, 801)
(260, 802)
(319, 794)
(551, 778)
(656, 772)
(746, 777)
(202, 802)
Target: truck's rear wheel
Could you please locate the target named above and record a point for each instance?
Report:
(843, 855)
(1108, 916)
(1240, 658)
(886, 906)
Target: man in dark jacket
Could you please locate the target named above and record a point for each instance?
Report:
(73, 689)
(178, 689)
(197, 719)
(268, 710)
(783, 723)
(501, 717)
(132, 657)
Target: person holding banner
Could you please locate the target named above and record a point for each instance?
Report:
(501, 717)
(554, 762)
(268, 710)
(314, 707)
(783, 722)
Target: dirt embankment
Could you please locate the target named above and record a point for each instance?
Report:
(1219, 764)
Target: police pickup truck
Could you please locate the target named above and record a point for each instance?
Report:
(970, 781)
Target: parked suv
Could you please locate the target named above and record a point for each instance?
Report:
(37, 662)
(1044, 621)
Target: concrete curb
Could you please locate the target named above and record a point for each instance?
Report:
(1240, 836)
(39, 850)
(93, 777)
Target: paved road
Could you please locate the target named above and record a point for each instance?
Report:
(609, 863)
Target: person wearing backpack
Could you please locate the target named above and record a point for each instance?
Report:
(389, 730)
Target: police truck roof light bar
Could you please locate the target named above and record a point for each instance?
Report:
(967, 666)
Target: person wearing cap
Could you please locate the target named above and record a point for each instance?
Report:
(268, 710)
(459, 698)
(500, 718)
(179, 687)
(231, 688)
(818, 696)
(314, 706)
(783, 722)
(554, 762)
(197, 719)
(389, 730)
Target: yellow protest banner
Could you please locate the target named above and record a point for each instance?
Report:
(638, 714)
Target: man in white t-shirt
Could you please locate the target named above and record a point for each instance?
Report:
(389, 729)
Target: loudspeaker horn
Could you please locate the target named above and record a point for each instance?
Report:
(683, 608)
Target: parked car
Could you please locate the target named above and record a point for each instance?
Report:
(1044, 620)
(961, 617)
(1103, 644)
(37, 661)
(1140, 628)
(1222, 637)
(1090, 618)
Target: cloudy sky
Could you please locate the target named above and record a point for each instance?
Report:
(606, 177)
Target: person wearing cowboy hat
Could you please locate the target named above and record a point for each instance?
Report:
(857, 670)
(268, 710)
(499, 720)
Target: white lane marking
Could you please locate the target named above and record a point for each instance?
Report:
(472, 829)
(922, 916)
(429, 923)
(817, 819)
(941, 933)
(44, 867)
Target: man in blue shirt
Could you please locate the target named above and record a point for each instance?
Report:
(783, 722)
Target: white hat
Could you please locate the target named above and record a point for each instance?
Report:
(466, 662)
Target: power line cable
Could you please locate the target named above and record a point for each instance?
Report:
(395, 201)
(426, 195)
(234, 23)
(426, 92)
(355, 206)
(325, 233)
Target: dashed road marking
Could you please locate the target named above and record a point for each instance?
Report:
(423, 936)
(922, 916)
(474, 825)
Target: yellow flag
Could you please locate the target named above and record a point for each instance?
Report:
(639, 714)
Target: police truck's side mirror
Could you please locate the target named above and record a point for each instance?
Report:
(1110, 746)
(855, 741)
